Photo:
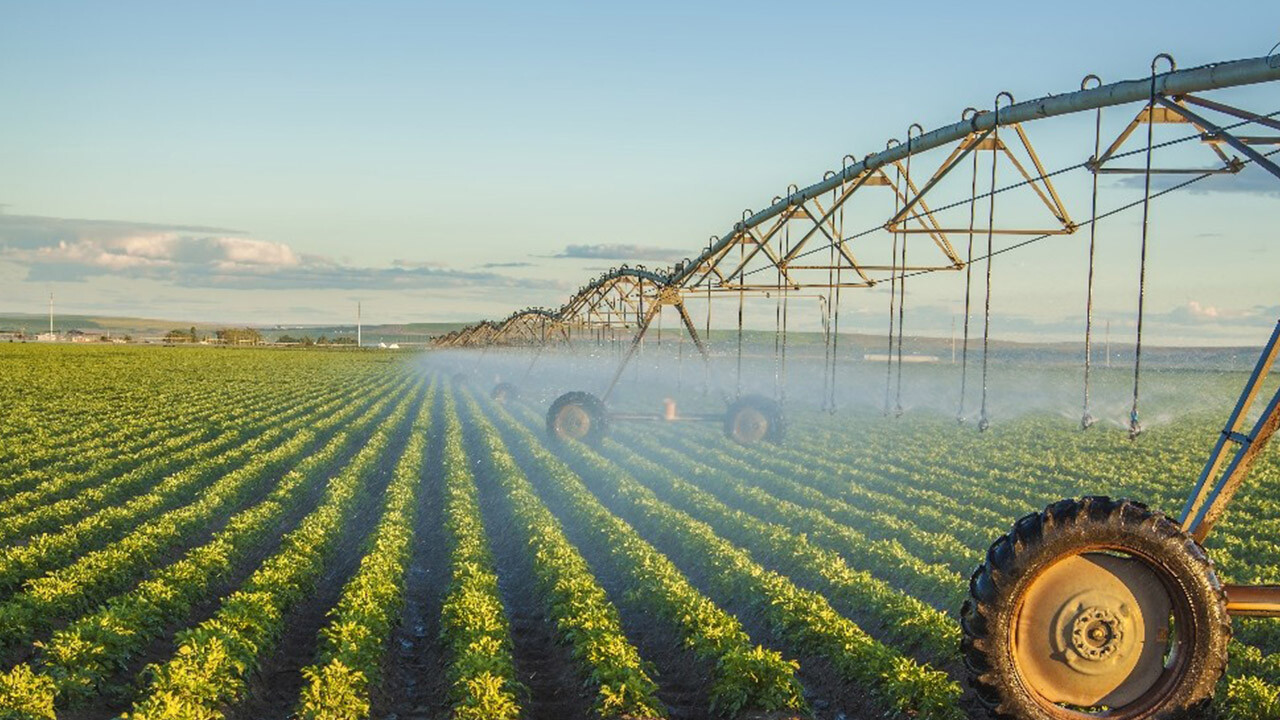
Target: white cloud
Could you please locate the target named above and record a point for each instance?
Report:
(54, 249)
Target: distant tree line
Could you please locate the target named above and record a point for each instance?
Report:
(223, 336)
(250, 336)
(308, 341)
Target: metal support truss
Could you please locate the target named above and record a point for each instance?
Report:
(782, 237)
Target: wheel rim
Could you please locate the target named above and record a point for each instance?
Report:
(573, 422)
(1099, 630)
(749, 426)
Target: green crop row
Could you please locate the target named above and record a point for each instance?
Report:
(658, 586)
(473, 624)
(63, 512)
(127, 392)
(97, 573)
(803, 619)
(352, 645)
(79, 660)
(103, 474)
(211, 665)
(586, 619)
(748, 679)
(810, 548)
(107, 442)
(887, 559)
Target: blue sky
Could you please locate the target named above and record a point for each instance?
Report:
(275, 162)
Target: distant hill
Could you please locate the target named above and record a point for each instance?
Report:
(412, 333)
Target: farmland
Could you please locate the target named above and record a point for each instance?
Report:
(196, 533)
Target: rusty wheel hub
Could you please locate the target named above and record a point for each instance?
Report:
(1093, 631)
(749, 426)
(1097, 633)
(573, 422)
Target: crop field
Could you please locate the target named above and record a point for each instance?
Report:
(212, 533)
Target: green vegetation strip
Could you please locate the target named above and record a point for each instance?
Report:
(94, 575)
(196, 479)
(748, 679)
(586, 619)
(810, 548)
(803, 619)
(210, 669)
(79, 660)
(125, 487)
(473, 624)
(353, 644)
(106, 478)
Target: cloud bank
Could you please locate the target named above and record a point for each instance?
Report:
(607, 251)
(66, 250)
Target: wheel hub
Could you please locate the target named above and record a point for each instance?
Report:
(1096, 633)
(573, 421)
(1093, 630)
(749, 425)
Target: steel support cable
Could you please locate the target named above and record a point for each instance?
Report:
(1086, 417)
(984, 420)
(968, 287)
(1037, 178)
(1135, 425)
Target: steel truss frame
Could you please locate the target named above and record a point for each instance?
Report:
(628, 298)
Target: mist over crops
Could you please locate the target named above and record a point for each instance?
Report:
(1172, 384)
(272, 533)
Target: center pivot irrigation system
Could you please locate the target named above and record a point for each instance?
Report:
(1093, 607)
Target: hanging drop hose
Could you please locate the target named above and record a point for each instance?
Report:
(902, 283)
(968, 282)
(1135, 424)
(826, 316)
(786, 294)
(706, 365)
(1086, 417)
(984, 420)
(893, 288)
(835, 331)
(741, 299)
(777, 335)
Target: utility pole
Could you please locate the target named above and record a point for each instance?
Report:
(359, 337)
(50, 313)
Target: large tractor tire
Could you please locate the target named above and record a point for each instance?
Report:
(752, 419)
(577, 415)
(1095, 608)
(504, 392)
